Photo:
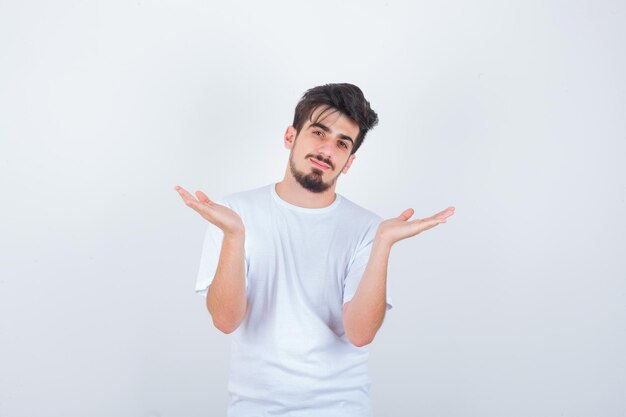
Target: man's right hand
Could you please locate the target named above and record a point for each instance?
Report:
(221, 216)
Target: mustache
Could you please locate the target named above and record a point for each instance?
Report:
(321, 158)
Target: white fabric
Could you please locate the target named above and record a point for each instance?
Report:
(290, 355)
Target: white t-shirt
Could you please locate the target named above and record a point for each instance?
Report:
(290, 355)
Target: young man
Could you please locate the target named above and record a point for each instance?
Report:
(298, 272)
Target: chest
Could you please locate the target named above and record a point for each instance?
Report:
(309, 255)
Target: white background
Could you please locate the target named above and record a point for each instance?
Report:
(513, 112)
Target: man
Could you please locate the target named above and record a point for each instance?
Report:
(298, 273)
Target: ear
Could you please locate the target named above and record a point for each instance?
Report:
(290, 137)
(348, 164)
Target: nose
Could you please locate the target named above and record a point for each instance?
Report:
(325, 149)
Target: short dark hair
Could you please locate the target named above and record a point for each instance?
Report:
(346, 98)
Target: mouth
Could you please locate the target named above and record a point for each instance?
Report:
(319, 164)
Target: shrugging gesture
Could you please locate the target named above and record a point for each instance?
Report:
(397, 228)
(221, 216)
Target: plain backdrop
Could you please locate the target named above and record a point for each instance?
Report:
(513, 112)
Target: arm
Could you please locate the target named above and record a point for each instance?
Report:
(226, 298)
(364, 314)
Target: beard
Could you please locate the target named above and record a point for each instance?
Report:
(312, 181)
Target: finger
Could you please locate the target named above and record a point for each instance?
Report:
(447, 212)
(421, 225)
(180, 190)
(406, 214)
(186, 196)
(203, 197)
(442, 215)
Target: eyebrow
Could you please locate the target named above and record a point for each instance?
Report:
(327, 130)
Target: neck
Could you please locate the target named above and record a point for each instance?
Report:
(292, 192)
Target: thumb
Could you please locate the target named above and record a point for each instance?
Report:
(406, 214)
(202, 197)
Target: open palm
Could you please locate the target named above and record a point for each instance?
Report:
(220, 215)
(398, 228)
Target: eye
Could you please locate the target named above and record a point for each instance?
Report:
(318, 133)
(343, 144)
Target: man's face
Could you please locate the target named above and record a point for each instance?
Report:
(320, 152)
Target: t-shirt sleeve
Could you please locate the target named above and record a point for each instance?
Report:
(357, 267)
(209, 258)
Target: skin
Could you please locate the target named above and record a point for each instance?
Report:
(328, 143)
(226, 298)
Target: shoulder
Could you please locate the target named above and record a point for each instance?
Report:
(246, 197)
(359, 214)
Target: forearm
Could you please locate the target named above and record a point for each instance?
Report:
(364, 314)
(226, 298)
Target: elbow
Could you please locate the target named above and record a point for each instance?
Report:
(226, 320)
(360, 342)
(226, 323)
(226, 328)
(357, 334)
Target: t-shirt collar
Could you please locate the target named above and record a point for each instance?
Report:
(290, 206)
